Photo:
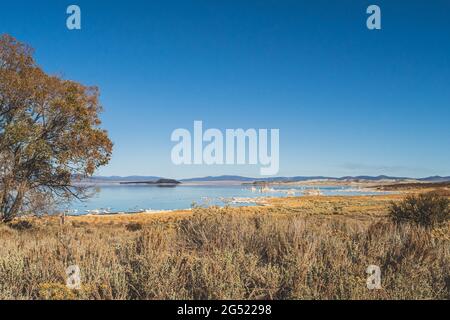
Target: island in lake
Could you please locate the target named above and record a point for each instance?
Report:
(159, 182)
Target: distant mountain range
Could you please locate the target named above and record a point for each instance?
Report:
(307, 178)
(122, 179)
(435, 179)
(103, 179)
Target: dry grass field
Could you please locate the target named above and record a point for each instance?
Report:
(296, 248)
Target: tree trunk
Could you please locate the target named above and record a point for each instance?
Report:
(9, 213)
(4, 201)
(16, 205)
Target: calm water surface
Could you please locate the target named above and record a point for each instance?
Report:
(134, 198)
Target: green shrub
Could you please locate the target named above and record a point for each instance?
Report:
(427, 210)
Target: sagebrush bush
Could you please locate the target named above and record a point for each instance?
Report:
(134, 226)
(21, 225)
(426, 209)
(224, 254)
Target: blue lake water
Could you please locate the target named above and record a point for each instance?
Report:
(134, 198)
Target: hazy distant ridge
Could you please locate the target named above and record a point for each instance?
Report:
(306, 178)
(273, 179)
(122, 179)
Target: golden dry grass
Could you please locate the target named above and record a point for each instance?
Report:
(308, 248)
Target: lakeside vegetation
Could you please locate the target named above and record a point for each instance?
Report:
(298, 248)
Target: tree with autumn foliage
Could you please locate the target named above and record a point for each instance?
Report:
(49, 133)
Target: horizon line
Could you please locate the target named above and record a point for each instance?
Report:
(273, 177)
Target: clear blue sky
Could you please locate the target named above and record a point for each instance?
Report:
(347, 100)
